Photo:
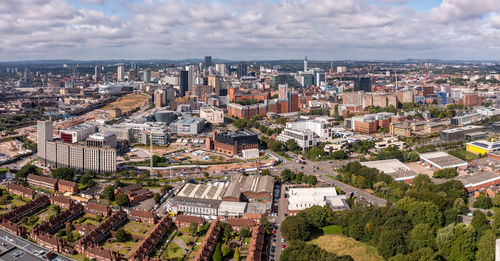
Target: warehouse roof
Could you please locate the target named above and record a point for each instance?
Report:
(442, 160)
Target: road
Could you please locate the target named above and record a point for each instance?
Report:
(29, 248)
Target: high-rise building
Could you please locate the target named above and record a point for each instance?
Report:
(220, 68)
(242, 69)
(133, 66)
(97, 73)
(147, 76)
(208, 61)
(27, 76)
(214, 81)
(183, 83)
(362, 84)
(282, 91)
(45, 131)
(190, 75)
(131, 75)
(341, 69)
(305, 64)
(121, 73)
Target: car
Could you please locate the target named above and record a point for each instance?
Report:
(283, 246)
(274, 240)
(282, 240)
(272, 250)
(274, 232)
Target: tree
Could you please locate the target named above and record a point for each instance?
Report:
(121, 235)
(245, 232)
(425, 212)
(480, 223)
(193, 228)
(236, 255)
(63, 173)
(157, 198)
(291, 145)
(496, 223)
(444, 239)
(413, 156)
(240, 124)
(447, 173)
(109, 193)
(315, 215)
(421, 236)
(26, 170)
(483, 201)
(391, 243)
(486, 246)
(217, 256)
(56, 208)
(69, 232)
(496, 200)
(295, 228)
(225, 250)
(463, 243)
(122, 200)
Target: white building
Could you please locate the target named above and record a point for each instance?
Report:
(212, 114)
(302, 198)
(341, 69)
(320, 126)
(305, 139)
(77, 133)
(250, 153)
(121, 73)
(188, 126)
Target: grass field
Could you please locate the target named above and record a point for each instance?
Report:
(136, 228)
(173, 252)
(332, 230)
(464, 155)
(128, 102)
(121, 247)
(342, 245)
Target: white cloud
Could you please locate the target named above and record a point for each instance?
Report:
(244, 29)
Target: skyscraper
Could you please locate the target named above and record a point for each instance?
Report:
(27, 76)
(45, 131)
(362, 84)
(147, 76)
(305, 64)
(190, 74)
(97, 73)
(242, 69)
(121, 73)
(183, 83)
(220, 68)
(282, 91)
(208, 61)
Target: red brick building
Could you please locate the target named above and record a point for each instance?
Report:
(237, 223)
(67, 186)
(256, 246)
(209, 242)
(135, 193)
(142, 216)
(60, 201)
(20, 191)
(97, 209)
(232, 143)
(42, 182)
(184, 221)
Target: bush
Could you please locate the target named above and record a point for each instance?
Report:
(447, 173)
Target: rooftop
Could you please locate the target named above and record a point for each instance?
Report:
(201, 191)
(392, 167)
(464, 128)
(442, 159)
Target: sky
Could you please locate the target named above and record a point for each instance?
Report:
(250, 29)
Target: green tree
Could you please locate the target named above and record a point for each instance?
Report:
(425, 212)
(240, 124)
(245, 232)
(413, 156)
(447, 173)
(483, 201)
(217, 256)
(236, 255)
(121, 235)
(486, 246)
(26, 170)
(496, 223)
(463, 243)
(122, 200)
(391, 243)
(295, 227)
(480, 223)
(193, 228)
(225, 250)
(315, 215)
(444, 239)
(63, 173)
(157, 198)
(496, 200)
(291, 145)
(69, 232)
(421, 236)
(109, 193)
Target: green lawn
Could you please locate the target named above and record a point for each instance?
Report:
(464, 155)
(121, 247)
(136, 228)
(342, 245)
(173, 252)
(187, 237)
(332, 230)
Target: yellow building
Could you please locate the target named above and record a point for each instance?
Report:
(483, 146)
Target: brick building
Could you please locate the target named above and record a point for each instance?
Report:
(142, 216)
(209, 242)
(135, 193)
(232, 143)
(42, 182)
(20, 191)
(67, 186)
(97, 209)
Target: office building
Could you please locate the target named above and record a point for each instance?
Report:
(305, 64)
(208, 62)
(302, 198)
(183, 83)
(466, 119)
(121, 132)
(77, 133)
(320, 126)
(165, 116)
(121, 73)
(214, 81)
(305, 139)
(242, 69)
(188, 126)
(362, 84)
(220, 68)
(97, 73)
(232, 143)
(212, 114)
(45, 130)
(159, 136)
(146, 77)
(102, 139)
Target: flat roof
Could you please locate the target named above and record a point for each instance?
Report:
(392, 167)
(464, 128)
(443, 160)
(200, 191)
(478, 179)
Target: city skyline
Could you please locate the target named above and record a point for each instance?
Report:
(244, 30)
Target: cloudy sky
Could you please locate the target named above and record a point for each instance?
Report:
(249, 29)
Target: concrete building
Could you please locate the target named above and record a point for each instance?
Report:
(466, 119)
(98, 140)
(77, 133)
(302, 198)
(458, 134)
(45, 132)
(197, 200)
(388, 142)
(305, 139)
(158, 136)
(400, 129)
(212, 114)
(188, 126)
(441, 160)
(483, 146)
(121, 132)
(121, 73)
(320, 126)
(394, 168)
(250, 153)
